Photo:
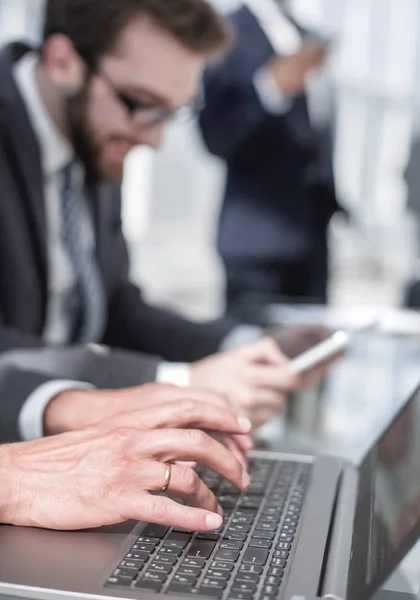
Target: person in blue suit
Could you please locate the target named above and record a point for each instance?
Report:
(280, 192)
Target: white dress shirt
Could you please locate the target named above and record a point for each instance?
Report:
(56, 154)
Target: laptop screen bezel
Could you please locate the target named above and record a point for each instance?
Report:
(357, 588)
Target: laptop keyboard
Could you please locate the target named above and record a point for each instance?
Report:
(245, 559)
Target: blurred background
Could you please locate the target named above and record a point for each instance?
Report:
(174, 198)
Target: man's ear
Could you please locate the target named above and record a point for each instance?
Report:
(65, 67)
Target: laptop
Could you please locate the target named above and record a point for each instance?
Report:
(306, 528)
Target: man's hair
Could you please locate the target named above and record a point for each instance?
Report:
(95, 25)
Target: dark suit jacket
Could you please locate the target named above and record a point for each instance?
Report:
(133, 325)
(269, 211)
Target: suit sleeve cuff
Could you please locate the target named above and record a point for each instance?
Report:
(31, 418)
(271, 97)
(175, 373)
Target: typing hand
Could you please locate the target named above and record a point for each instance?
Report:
(108, 473)
(76, 409)
(256, 378)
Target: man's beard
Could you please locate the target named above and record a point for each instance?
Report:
(81, 136)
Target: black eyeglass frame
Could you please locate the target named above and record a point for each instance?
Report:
(185, 112)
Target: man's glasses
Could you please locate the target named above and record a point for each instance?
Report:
(145, 114)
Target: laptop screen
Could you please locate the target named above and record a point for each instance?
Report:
(387, 522)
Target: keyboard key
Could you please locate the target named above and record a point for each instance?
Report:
(135, 556)
(244, 586)
(272, 580)
(118, 580)
(233, 535)
(155, 531)
(132, 564)
(215, 583)
(193, 571)
(228, 501)
(190, 579)
(273, 519)
(172, 551)
(255, 556)
(236, 595)
(244, 519)
(149, 540)
(288, 529)
(140, 547)
(247, 497)
(166, 559)
(276, 505)
(276, 571)
(264, 526)
(210, 591)
(126, 572)
(193, 562)
(251, 503)
(251, 569)
(214, 537)
(218, 574)
(270, 589)
(179, 588)
(155, 576)
(285, 537)
(140, 554)
(257, 487)
(161, 568)
(239, 512)
(283, 546)
(201, 549)
(223, 555)
(278, 562)
(225, 566)
(231, 545)
(272, 510)
(149, 585)
(252, 577)
(265, 535)
(175, 544)
(256, 543)
(240, 528)
(281, 554)
(177, 540)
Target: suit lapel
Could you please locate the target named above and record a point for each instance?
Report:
(24, 151)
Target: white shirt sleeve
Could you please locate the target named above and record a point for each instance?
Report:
(175, 373)
(271, 97)
(31, 418)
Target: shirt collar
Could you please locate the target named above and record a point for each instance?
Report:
(56, 151)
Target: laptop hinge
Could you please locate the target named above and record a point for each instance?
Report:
(335, 579)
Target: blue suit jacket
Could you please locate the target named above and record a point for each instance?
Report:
(269, 211)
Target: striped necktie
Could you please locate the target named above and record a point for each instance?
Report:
(88, 311)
